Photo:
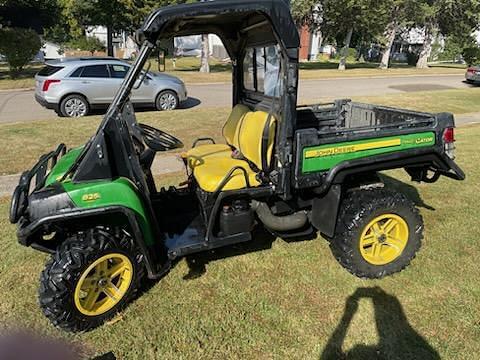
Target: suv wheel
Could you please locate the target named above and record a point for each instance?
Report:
(167, 100)
(74, 106)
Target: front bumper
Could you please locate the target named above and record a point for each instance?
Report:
(46, 104)
(38, 172)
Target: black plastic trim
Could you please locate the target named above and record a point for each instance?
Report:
(26, 238)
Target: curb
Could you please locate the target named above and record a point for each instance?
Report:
(17, 90)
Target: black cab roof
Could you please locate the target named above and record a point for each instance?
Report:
(225, 18)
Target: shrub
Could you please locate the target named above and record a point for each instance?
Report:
(351, 55)
(412, 58)
(19, 46)
(85, 43)
(471, 55)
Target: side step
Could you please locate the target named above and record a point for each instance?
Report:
(192, 240)
(186, 246)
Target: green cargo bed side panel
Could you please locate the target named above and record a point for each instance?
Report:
(119, 192)
(62, 166)
(325, 157)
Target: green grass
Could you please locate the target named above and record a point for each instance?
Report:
(25, 80)
(187, 68)
(288, 301)
(26, 141)
(458, 101)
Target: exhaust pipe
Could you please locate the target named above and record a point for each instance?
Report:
(279, 223)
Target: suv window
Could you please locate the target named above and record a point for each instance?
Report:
(261, 70)
(118, 71)
(77, 72)
(95, 71)
(49, 70)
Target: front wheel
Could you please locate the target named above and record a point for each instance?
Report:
(91, 277)
(167, 100)
(378, 233)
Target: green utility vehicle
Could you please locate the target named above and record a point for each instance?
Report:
(294, 171)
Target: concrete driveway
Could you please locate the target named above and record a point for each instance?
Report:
(18, 106)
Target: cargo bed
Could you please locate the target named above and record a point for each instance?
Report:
(335, 136)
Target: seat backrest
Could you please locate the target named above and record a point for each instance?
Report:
(256, 138)
(232, 124)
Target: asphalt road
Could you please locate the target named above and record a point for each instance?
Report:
(18, 106)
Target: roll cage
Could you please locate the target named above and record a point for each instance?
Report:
(239, 24)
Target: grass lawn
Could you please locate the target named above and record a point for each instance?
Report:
(283, 300)
(25, 80)
(186, 68)
(26, 141)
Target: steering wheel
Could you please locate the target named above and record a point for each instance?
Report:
(158, 140)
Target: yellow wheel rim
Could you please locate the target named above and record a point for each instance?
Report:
(103, 284)
(384, 239)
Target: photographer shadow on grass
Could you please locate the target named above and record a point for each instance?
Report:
(397, 338)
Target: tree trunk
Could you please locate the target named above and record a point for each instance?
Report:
(109, 41)
(343, 60)
(422, 62)
(204, 66)
(390, 35)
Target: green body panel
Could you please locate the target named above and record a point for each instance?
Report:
(325, 157)
(119, 192)
(62, 166)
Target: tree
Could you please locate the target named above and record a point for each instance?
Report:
(306, 12)
(36, 15)
(445, 17)
(113, 14)
(19, 46)
(401, 14)
(341, 18)
(204, 66)
(86, 43)
(471, 55)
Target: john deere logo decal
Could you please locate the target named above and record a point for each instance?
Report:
(327, 156)
(352, 148)
(91, 197)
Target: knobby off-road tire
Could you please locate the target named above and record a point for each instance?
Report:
(356, 229)
(72, 261)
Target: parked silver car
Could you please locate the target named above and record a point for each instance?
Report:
(473, 74)
(73, 87)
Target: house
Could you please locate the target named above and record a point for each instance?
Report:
(124, 46)
(310, 44)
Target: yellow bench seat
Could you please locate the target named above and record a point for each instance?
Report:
(215, 168)
(198, 155)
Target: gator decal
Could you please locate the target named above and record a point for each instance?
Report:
(325, 157)
(118, 192)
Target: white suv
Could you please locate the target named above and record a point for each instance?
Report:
(73, 87)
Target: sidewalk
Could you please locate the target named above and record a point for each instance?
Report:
(171, 163)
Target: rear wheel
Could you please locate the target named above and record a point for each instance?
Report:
(378, 233)
(92, 276)
(74, 106)
(167, 100)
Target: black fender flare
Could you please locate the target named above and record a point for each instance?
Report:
(26, 234)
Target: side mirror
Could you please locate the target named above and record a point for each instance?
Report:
(161, 60)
